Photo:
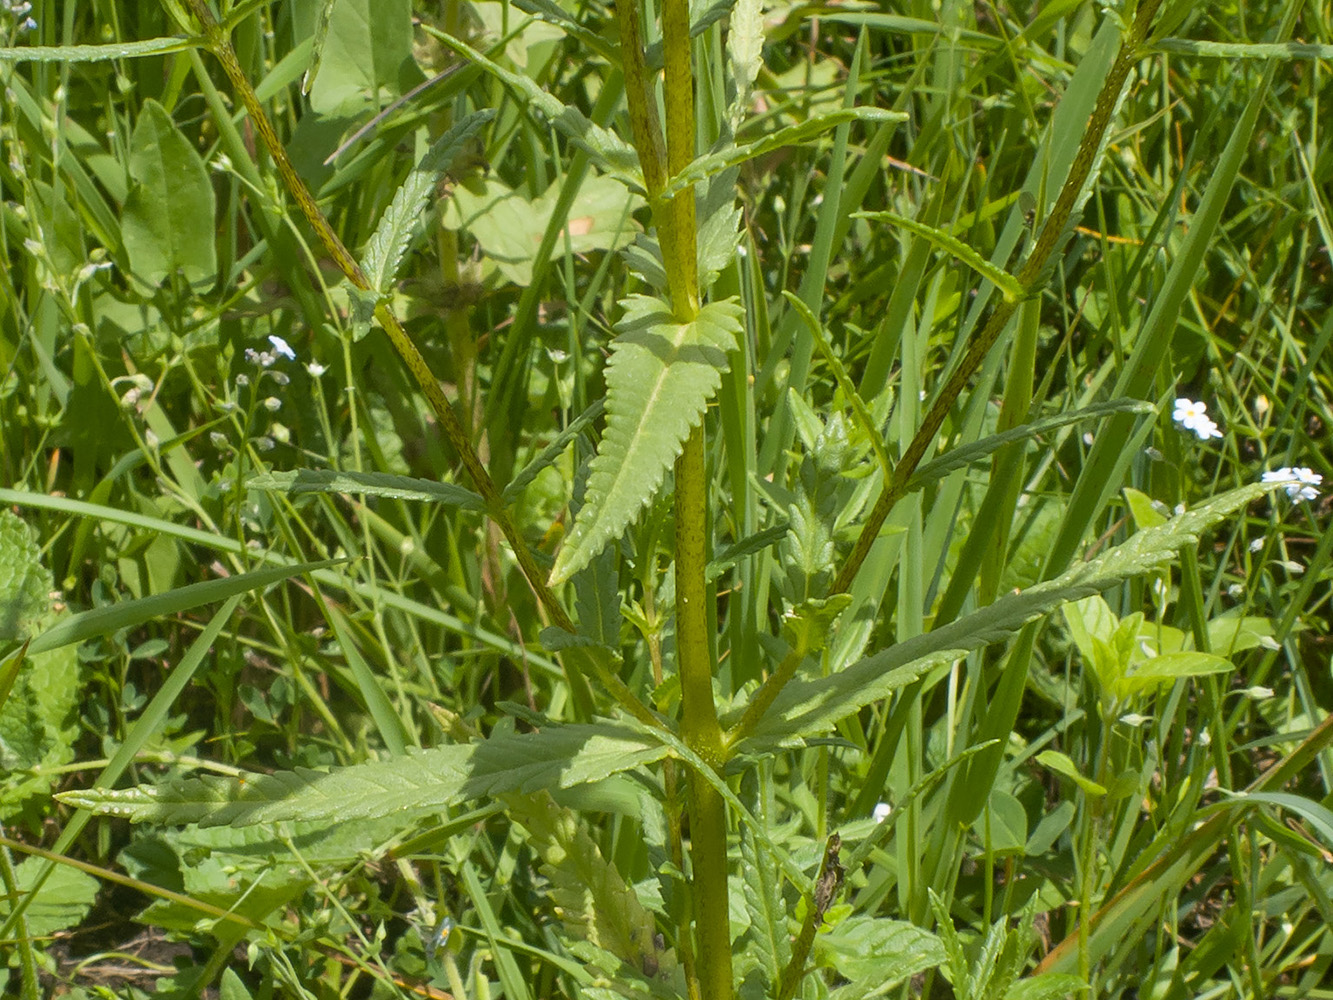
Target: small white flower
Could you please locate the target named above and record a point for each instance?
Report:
(315, 369)
(1193, 416)
(1257, 544)
(1235, 591)
(242, 379)
(282, 347)
(1187, 411)
(1299, 482)
(1268, 642)
(1134, 719)
(1258, 692)
(273, 404)
(881, 813)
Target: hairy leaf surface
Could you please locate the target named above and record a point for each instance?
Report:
(660, 377)
(424, 782)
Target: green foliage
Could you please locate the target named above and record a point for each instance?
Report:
(823, 353)
(169, 196)
(660, 377)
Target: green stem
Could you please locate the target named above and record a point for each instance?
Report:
(1053, 234)
(699, 725)
(220, 45)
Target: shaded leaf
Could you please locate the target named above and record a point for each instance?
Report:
(401, 223)
(373, 484)
(167, 223)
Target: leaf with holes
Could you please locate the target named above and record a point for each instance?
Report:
(660, 377)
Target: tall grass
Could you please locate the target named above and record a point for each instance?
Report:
(639, 500)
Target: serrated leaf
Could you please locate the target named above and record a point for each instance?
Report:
(24, 582)
(423, 782)
(745, 47)
(373, 484)
(763, 900)
(875, 953)
(660, 377)
(704, 167)
(812, 706)
(167, 223)
(322, 22)
(401, 222)
(1052, 986)
(546, 458)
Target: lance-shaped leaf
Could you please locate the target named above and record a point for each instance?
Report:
(811, 707)
(660, 377)
(371, 484)
(418, 783)
(401, 222)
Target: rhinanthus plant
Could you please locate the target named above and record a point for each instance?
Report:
(711, 558)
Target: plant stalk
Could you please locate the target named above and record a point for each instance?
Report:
(220, 45)
(1054, 232)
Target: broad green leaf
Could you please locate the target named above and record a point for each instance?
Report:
(1230, 634)
(1007, 284)
(424, 782)
(811, 707)
(1062, 764)
(96, 53)
(606, 149)
(709, 164)
(366, 57)
(1141, 506)
(1052, 986)
(660, 377)
(401, 223)
(167, 223)
(1173, 666)
(373, 484)
(1008, 833)
(510, 228)
(64, 900)
(875, 953)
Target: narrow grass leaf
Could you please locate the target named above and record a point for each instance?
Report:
(604, 148)
(1009, 286)
(126, 614)
(96, 53)
(710, 164)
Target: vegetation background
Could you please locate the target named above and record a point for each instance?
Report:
(923, 625)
